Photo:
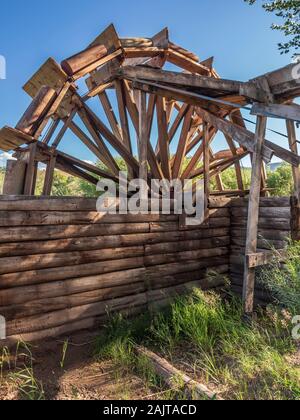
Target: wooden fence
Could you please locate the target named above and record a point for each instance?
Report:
(276, 226)
(63, 266)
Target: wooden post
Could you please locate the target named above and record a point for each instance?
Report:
(253, 216)
(49, 176)
(31, 171)
(294, 148)
(34, 115)
(143, 140)
(206, 164)
(14, 177)
(296, 176)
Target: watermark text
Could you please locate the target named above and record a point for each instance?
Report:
(2, 67)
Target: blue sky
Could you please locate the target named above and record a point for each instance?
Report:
(239, 36)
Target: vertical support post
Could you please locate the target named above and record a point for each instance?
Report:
(143, 140)
(14, 177)
(49, 176)
(296, 176)
(31, 171)
(253, 216)
(206, 165)
(294, 148)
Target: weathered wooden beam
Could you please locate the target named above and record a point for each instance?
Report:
(97, 64)
(182, 144)
(131, 105)
(133, 52)
(287, 112)
(136, 42)
(187, 53)
(11, 139)
(70, 169)
(242, 136)
(163, 137)
(186, 63)
(123, 114)
(171, 374)
(181, 79)
(143, 141)
(188, 172)
(31, 171)
(253, 216)
(294, 148)
(108, 109)
(86, 141)
(261, 259)
(14, 177)
(116, 144)
(284, 82)
(83, 59)
(106, 156)
(87, 166)
(49, 176)
(64, 129)
(63, 94)
(206, 165)
(37, 111)
(238, 169)
(51, 131)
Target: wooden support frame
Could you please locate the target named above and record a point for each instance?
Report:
(31, 171)
(143, 141)
(206, 165)
(294, 148)
(49, 176)
(133, 69)
(253, 216)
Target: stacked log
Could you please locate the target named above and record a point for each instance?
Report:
(82, 60)
(275, 223)
(63, 266)
(37, 111)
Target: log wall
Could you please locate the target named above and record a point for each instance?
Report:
(276, 226)
(63, 266)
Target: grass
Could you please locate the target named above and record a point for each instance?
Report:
(205, 334)
(283, 280)
(22, 377)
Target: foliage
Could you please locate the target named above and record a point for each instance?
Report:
(229, 179)
(283, 281)
(289, 11)
(281, 181)
(242, 361)
(29, 388)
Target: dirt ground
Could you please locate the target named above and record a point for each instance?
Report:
(71, 372)
(77, 376)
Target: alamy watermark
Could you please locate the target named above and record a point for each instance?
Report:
(296, 329)
(2, 328)
(296, 69)
(160, 197)
(2, 67)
